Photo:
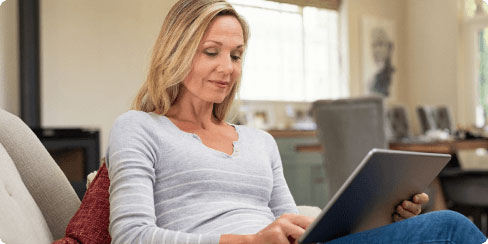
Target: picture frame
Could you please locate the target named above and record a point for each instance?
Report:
(379, 59)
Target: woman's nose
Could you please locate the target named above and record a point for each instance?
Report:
(225, 65)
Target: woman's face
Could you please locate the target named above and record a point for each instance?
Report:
(217, 62)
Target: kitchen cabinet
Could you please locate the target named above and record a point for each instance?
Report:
(303, 170)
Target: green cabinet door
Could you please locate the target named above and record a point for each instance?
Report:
(303, 171)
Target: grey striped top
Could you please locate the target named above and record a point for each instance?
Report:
(168, 187)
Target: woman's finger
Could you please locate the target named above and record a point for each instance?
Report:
(300, 220)
(414, 208)
(421, 198)
(404, 213)
(292, 230)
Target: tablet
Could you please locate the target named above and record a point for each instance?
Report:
(368, 198)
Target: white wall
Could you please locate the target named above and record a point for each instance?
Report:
(9, 61)
(433, 60)
(94, 56)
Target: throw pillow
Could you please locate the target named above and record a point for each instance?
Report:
(90, 222)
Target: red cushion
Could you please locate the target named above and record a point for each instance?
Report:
(90, 223)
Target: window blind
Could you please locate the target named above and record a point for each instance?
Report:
(328, 4)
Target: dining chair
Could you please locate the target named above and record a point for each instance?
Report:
(427, 118)
(397, 126)
(435, 118)
(443, 118)
(347, 129)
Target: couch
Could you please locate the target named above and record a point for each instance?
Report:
(36, 199)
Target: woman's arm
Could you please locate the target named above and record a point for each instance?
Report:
(281, 199)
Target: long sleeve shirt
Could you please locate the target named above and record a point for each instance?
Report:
(168, 187)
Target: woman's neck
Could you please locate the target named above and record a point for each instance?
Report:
(194, 111)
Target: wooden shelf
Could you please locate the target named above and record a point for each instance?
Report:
(292, 133)
(448, 147)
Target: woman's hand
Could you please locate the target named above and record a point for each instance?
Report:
(285, 230)
(408, 209)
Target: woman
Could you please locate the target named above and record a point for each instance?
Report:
(180, 174)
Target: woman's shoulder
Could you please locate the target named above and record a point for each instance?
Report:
(136, 117)
(139, 126)
(136, 120)
(133, 116)
(134, 131)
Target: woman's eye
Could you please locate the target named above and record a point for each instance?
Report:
(235, 57)
(211, 54)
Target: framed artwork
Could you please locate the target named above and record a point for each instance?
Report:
(378, 42)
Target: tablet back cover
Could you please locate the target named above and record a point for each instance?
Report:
(368, 197)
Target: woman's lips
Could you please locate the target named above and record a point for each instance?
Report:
(221, 84)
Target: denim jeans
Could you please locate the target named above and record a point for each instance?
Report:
(434, 227)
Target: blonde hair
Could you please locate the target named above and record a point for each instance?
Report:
(173, 52)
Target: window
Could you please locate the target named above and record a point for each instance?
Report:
(476, 29)
(482, 109)
(293, 52)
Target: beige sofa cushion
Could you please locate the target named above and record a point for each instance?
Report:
(21, 220)
(42, 177)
